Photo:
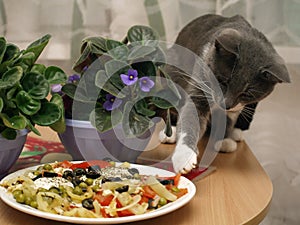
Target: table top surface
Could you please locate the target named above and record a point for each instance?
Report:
(238, 192)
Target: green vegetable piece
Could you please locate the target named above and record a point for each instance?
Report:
(20, 198)
(162, 201)
(47, 167)
(89, 181)
(77, 190)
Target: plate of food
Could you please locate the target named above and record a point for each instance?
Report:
(95, 192)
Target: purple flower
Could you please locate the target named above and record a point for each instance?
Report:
(130, 78)
(111, 102)
(146, 84)
(73, 78)
(56, 88)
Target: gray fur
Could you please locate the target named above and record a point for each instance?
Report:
(244, 62)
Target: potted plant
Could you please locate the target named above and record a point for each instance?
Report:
(24, 98)
(119, 90)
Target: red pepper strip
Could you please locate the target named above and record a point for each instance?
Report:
(176, 179)
(125, 212)
(103, 200)
(148, 192)
(65, 164)
(100, 163)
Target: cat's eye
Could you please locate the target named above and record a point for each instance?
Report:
(247, 95)
(266, 75)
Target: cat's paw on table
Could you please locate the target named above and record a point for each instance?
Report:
(184, 159)
(226, 145)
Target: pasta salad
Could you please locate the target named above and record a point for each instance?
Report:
(93, 189)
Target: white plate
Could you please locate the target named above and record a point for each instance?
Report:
(146, 170)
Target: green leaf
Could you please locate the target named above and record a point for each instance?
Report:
(171, 84)
(38, 46)
(1, 104)
(83, 60)
(27, 104)
(2, 48)
(31, 127)
(38, 68)
(11, 77)
(55, 75)
(167, 99)
(26, 60)
(134, 124)
(9, 134)
(10, 93)
(101, 119)
(98, 43)
(114, 69)
(116, 49)
(142, 108)
(36, 85)
(47, 115)
(140, 51)
(15, 122)
(145, 69)
(12, 52)
(60, 125)
(111, 44)
(158, 57)
(91, 48)
(142, 34)
(102, 81)
(116, 66)
(168, 129)
(69, 89)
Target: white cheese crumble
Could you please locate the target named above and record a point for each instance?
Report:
(48, 182)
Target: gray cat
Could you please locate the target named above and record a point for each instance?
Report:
(246, 67)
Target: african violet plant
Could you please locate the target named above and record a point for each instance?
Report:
(25, 88)
(121, 83)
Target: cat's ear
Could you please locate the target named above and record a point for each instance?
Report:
(229, 40)
(277, 72)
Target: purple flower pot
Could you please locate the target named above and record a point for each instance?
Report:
(10, 151)
(84, 142)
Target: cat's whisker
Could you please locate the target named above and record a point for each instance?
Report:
(248, 111)
(245, 116)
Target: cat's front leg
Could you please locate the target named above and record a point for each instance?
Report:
(189, 131)
(233, 135)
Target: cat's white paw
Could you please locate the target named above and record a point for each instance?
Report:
(237, 134)
(226, 145)
(184, 159)
(165, 139)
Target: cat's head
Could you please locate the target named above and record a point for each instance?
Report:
(247, 68)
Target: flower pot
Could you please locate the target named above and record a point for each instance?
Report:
(84, 142)
(10, 151)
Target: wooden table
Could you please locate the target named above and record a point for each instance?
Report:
(238, 192)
